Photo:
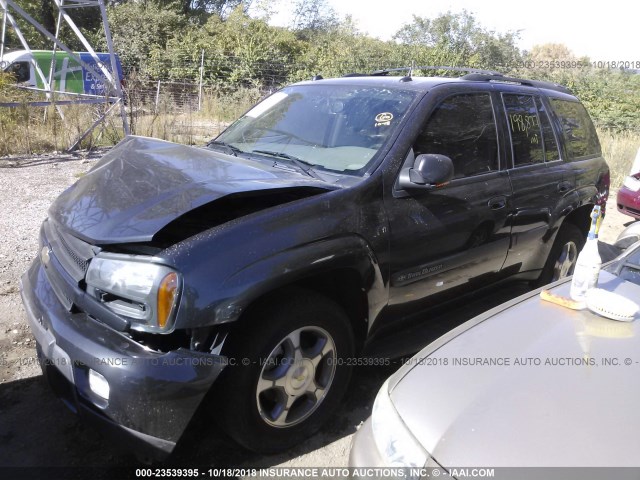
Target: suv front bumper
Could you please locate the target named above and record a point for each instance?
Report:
(152, 395)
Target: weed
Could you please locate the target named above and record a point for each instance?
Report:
(619, 150)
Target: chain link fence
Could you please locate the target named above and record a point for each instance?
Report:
(185, 81)
(191, 100)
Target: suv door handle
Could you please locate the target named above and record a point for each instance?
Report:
(564, 187)
(496, 203)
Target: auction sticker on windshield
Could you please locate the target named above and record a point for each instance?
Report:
(384, 119)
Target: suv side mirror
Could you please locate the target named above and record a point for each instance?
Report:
(428, 171)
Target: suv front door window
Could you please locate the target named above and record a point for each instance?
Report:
(463, 128)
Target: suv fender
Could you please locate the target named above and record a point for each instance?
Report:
(301, 265)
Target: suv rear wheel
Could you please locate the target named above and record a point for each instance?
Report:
(563, 256)
(290, 371)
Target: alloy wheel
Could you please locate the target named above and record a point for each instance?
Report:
(296, 377)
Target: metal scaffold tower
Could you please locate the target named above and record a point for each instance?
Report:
(109, 75)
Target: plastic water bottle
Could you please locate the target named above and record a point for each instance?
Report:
(589, 263)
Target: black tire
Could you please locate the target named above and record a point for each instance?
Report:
(563, 255)
(269, 377)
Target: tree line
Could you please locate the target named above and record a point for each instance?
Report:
(164, 39)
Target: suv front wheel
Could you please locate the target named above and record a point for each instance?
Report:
(289, 371)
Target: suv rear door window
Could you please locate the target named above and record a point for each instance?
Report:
(463, 128)
(524, 129)
(579, 133)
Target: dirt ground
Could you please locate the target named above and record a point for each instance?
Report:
(37, 430)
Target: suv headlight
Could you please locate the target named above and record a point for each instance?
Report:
(394, 441)
(134, 287)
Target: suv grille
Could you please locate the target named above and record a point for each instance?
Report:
(82, 264)
(72, 253)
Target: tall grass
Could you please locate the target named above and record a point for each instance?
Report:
(187, 123)
(619, 149)
(226, 107)
(29, 130)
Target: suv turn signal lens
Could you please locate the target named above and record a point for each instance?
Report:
(166, 298)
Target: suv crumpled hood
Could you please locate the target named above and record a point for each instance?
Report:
(574, 410)
(142, 184)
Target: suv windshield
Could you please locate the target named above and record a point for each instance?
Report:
(332, 127)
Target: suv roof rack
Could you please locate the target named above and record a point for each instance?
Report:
(386, 71)
(499, 78)
(474, 74)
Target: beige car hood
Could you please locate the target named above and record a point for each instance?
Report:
(575, 408)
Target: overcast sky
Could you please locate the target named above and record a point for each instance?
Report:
(608, 31)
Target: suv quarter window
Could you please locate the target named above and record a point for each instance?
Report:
(463, 128)
(579, 134)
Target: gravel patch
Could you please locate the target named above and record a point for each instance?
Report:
(28, 186)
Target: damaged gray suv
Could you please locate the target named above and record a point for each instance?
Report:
(248, 274)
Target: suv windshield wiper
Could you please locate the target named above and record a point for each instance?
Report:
(227, 146)
(306, 167)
